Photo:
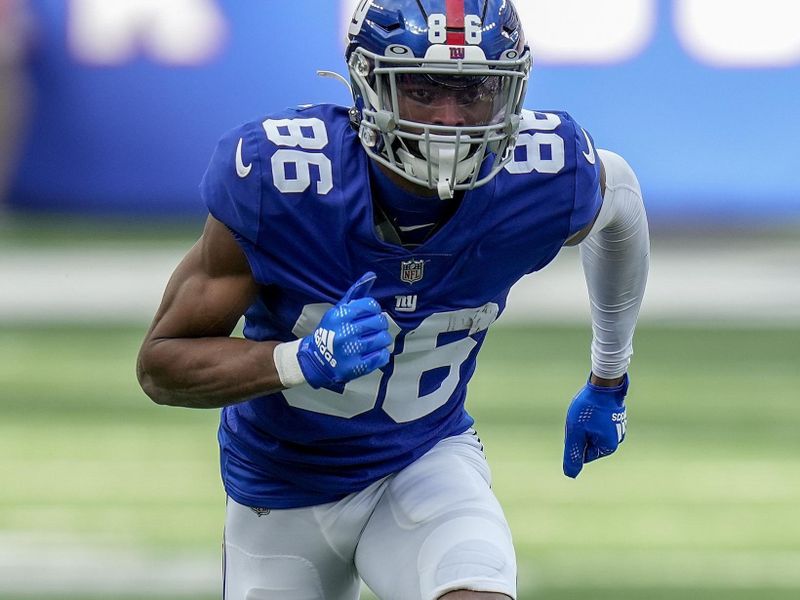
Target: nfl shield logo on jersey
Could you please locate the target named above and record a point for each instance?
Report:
(412, 271)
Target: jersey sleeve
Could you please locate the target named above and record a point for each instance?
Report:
(231, 186)
(588, 196)
(231, 189)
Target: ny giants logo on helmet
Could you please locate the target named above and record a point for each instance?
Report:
(458, 53)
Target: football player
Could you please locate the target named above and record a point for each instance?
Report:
(370, 250)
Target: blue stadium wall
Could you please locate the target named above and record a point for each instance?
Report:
(129, 129)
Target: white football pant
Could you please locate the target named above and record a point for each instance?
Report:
(431, 528)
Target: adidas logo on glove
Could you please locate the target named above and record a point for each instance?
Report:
(361, 335)
(621, 421)
(323, 338)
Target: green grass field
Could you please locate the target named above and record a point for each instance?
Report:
(701, 501)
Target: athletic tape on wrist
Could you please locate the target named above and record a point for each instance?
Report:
(287, 365)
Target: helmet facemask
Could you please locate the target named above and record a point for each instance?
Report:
(435, 120)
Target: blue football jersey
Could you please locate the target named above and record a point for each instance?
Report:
(294, 190)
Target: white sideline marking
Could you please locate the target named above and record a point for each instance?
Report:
(35, 563)
(710, 569)
(43, 564)
(745, 284)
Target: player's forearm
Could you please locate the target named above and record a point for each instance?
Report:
(206, 372)
(616, 261)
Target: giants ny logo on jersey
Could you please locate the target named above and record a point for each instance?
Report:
(406, 303)
(323, 338)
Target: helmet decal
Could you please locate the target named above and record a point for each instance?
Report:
(358, 17)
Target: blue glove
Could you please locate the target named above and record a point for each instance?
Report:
(350, 341)
(596, 423)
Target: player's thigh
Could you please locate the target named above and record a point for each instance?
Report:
(439, 528)
(295, 554)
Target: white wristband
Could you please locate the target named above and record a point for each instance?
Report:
(285, 358)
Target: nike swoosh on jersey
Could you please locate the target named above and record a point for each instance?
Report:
(414, 227)
(242, 170)
(590, 155)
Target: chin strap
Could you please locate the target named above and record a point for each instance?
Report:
(442, 159)
(446, 162)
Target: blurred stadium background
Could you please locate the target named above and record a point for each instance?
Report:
(108, 114)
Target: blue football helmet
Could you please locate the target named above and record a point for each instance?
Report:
(438, 87)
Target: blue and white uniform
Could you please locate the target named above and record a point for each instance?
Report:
(293, 188)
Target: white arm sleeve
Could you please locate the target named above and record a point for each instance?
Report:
(616, 258)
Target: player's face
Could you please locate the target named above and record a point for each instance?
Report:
(449, 100)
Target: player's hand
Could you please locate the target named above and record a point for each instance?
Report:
(350, 341)
(596, 423)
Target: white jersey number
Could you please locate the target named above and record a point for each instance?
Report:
(421, 354)
(544, 150)
(307, 134)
